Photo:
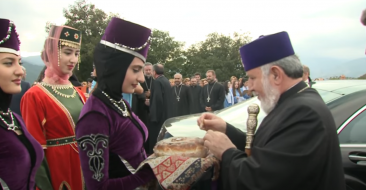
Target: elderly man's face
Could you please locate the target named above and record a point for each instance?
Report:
(148, 70)
(264, 87)
(177, 79)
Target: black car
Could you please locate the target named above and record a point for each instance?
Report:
(346, 100)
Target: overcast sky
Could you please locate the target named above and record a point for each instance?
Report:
(322, 31)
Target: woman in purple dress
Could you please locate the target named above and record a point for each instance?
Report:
(109, 135)
(20, 153)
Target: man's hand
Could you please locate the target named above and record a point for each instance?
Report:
(250, 93)
(147, 102)
(209, 121)
(217, 143)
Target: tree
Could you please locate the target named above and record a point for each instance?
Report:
(48, 26)
(217, 52)
(92, 22)
(165, 50)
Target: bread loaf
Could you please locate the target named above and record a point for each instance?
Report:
(181, 146)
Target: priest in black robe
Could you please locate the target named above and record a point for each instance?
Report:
(182, 97)
(213, 93)
(160, 104)
(142, 110)
(196, 91)
(296, 145)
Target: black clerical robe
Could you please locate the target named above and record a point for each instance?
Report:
(196, 99)
(295, 147)
(213, 95)
(141, 109)
(182, 100)
(160, 107)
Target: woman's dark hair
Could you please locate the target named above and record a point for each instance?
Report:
(41, 75)
(226, 87)
(241, 84)
(234, 89)
(74, 80)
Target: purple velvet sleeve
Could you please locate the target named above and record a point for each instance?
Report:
(92, 132)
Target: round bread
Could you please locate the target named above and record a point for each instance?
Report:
(181, 146)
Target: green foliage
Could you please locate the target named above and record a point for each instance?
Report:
(92, 22)
(219, 53)
(165, 50)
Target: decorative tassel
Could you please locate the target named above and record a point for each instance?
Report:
(59, 54)
(79, 61)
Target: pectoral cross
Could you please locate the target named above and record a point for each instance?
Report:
(12, 127)
(178, 98)
(208, 99)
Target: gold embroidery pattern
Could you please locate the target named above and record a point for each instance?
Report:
(73, 145)
(62, 185)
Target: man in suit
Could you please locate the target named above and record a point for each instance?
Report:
(160, 103)
(15, 101)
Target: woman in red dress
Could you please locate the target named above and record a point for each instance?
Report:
(51, 109)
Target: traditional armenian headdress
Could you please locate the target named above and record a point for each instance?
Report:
(120, 44)
(266, 49)
(127, 37)
(65, 36)
(59, 36)
(9, 38)
(72, 38)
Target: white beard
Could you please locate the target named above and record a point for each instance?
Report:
(271, 96)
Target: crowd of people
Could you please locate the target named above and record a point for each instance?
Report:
(67, 138)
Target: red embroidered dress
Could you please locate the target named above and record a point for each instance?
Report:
(50, 117)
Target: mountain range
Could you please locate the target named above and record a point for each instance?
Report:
(354, 68)
(33, 66)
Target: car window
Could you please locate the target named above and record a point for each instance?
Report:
(355, 131)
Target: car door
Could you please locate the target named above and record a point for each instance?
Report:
(352, 139)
